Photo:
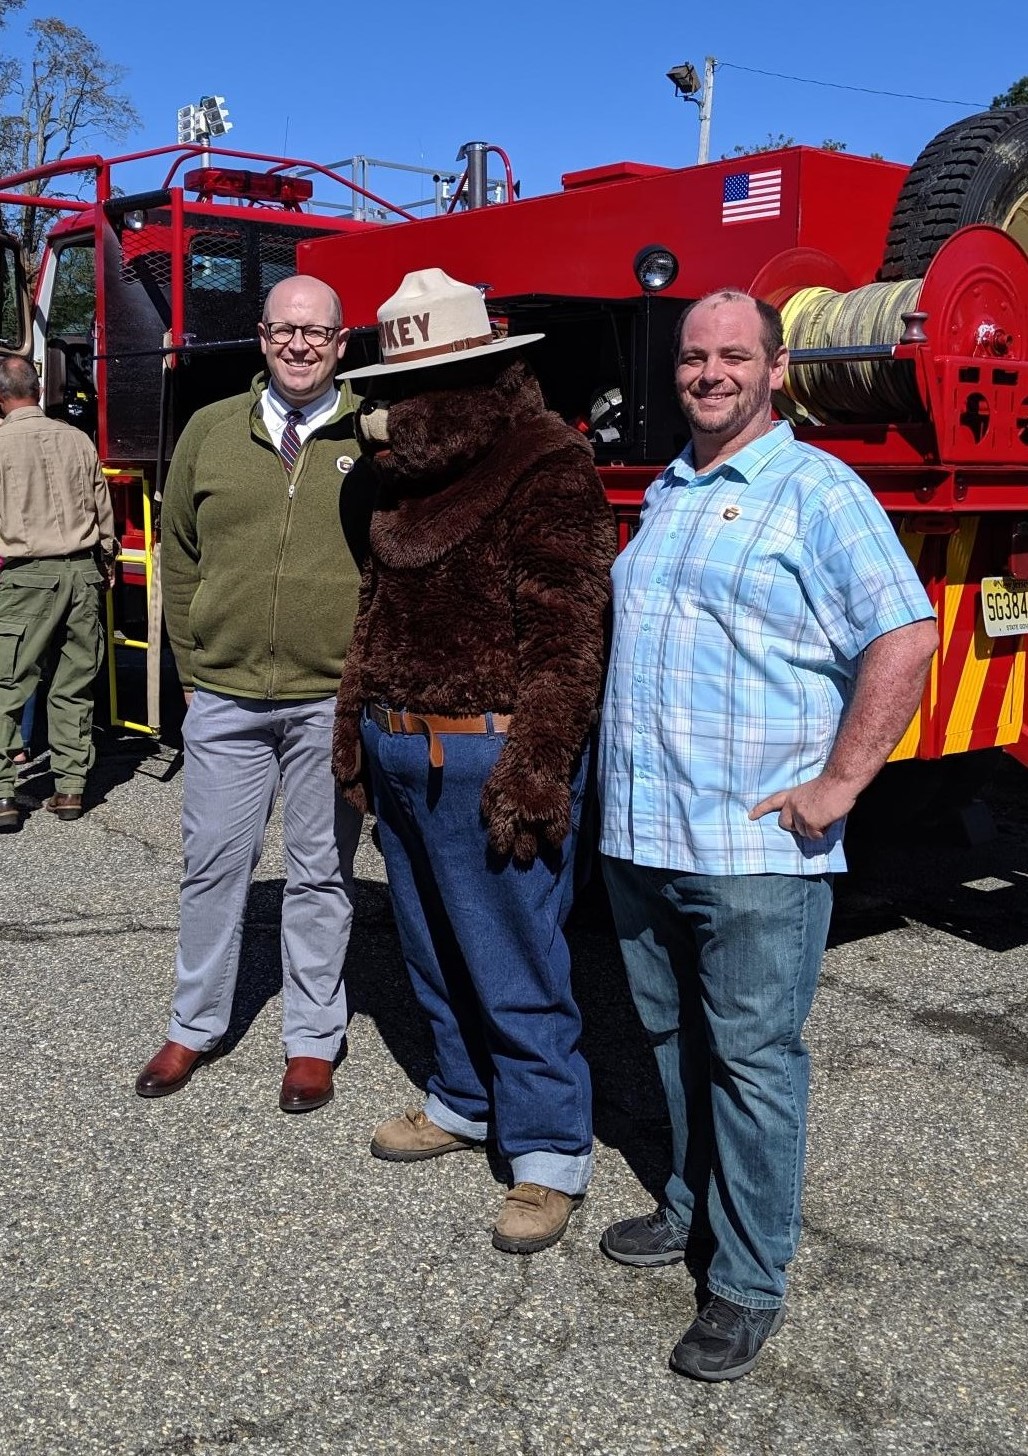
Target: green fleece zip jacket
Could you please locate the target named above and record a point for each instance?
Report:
(259, 584)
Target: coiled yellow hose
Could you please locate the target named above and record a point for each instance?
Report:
(842, 390)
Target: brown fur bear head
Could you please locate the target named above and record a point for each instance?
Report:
(434, 424)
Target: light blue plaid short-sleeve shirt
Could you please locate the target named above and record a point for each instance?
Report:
(741, 607)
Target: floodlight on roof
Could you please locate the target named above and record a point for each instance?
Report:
(215, 114)
(189, 119)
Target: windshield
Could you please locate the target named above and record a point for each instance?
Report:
(13, 302)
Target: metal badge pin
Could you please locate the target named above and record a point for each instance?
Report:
(730, 513)
(343, 464)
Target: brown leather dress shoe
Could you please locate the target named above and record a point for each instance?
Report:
(10, 816)
(170, 1069)
(65, 806)
(307, 1084)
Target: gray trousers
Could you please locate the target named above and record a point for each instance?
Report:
(238, 753)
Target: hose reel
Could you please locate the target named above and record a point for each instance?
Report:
(858, 388)
(846, 366)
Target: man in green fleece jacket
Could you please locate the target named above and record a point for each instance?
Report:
(260, 592)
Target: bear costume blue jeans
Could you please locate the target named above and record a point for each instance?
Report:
(483, 941)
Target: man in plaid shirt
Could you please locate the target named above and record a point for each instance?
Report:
(771, 643)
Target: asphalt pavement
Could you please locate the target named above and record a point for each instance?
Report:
(201, 1273)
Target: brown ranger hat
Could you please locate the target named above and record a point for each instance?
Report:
(432, 319)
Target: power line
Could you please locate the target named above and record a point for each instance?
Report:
(866, 90)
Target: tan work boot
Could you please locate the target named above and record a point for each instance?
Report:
(412, 1136)
(532, 1218)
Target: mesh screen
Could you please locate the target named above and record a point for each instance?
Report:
(277, 259)
(137, 313)
(230, 266)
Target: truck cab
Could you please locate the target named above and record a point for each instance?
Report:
(145, 309)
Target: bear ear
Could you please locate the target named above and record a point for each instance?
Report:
(514, 375)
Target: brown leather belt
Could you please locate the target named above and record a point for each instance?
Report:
(390, 720)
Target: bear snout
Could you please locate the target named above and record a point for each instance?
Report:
(373, 424)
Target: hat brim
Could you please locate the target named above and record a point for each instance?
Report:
(515, 341)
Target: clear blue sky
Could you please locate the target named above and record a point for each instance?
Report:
(559, 85)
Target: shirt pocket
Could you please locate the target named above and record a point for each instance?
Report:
(740, 566)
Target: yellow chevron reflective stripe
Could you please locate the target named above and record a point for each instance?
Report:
(960, 721)
(907, 746)
(979, 667)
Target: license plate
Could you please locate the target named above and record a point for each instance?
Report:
(1004, 607)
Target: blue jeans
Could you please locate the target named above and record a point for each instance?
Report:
(487, 958)
(28, 720)
(723, 969)
(239, 752)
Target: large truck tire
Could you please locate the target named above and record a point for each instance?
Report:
(976, 171)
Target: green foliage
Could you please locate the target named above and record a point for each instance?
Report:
(73, 305)
(1017, 95)
(777, 143)
(773, 144)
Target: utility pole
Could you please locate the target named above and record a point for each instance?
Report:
(706, 107)
(687, 84)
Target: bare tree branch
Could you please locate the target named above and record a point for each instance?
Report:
(65, 99)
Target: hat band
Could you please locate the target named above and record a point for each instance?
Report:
(456, 346)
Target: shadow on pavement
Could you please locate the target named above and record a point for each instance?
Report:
(628, 1104)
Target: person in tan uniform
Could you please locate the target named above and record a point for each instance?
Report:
(58, 548)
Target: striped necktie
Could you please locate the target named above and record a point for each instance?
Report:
(290, 446)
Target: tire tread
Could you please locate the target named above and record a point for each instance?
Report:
(932, 201)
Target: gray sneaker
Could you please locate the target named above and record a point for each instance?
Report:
(646, 1242)
(724, 1340)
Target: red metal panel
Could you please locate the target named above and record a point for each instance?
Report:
(582, 243)
(845, 207)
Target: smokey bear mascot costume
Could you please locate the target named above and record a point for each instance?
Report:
(466, 704)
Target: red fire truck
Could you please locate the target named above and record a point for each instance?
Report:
(904, 292)
(145, 308)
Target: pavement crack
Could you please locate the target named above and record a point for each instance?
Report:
(961, 1247)
(238, 1432)
(18, 933)
(997, 1032)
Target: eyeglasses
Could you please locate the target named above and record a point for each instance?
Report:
(317, 334)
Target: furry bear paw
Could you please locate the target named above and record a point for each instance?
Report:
(356, 795)
(525, 814)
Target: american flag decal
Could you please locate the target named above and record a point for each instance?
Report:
(749, 195)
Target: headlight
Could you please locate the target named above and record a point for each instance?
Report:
(655, 268)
